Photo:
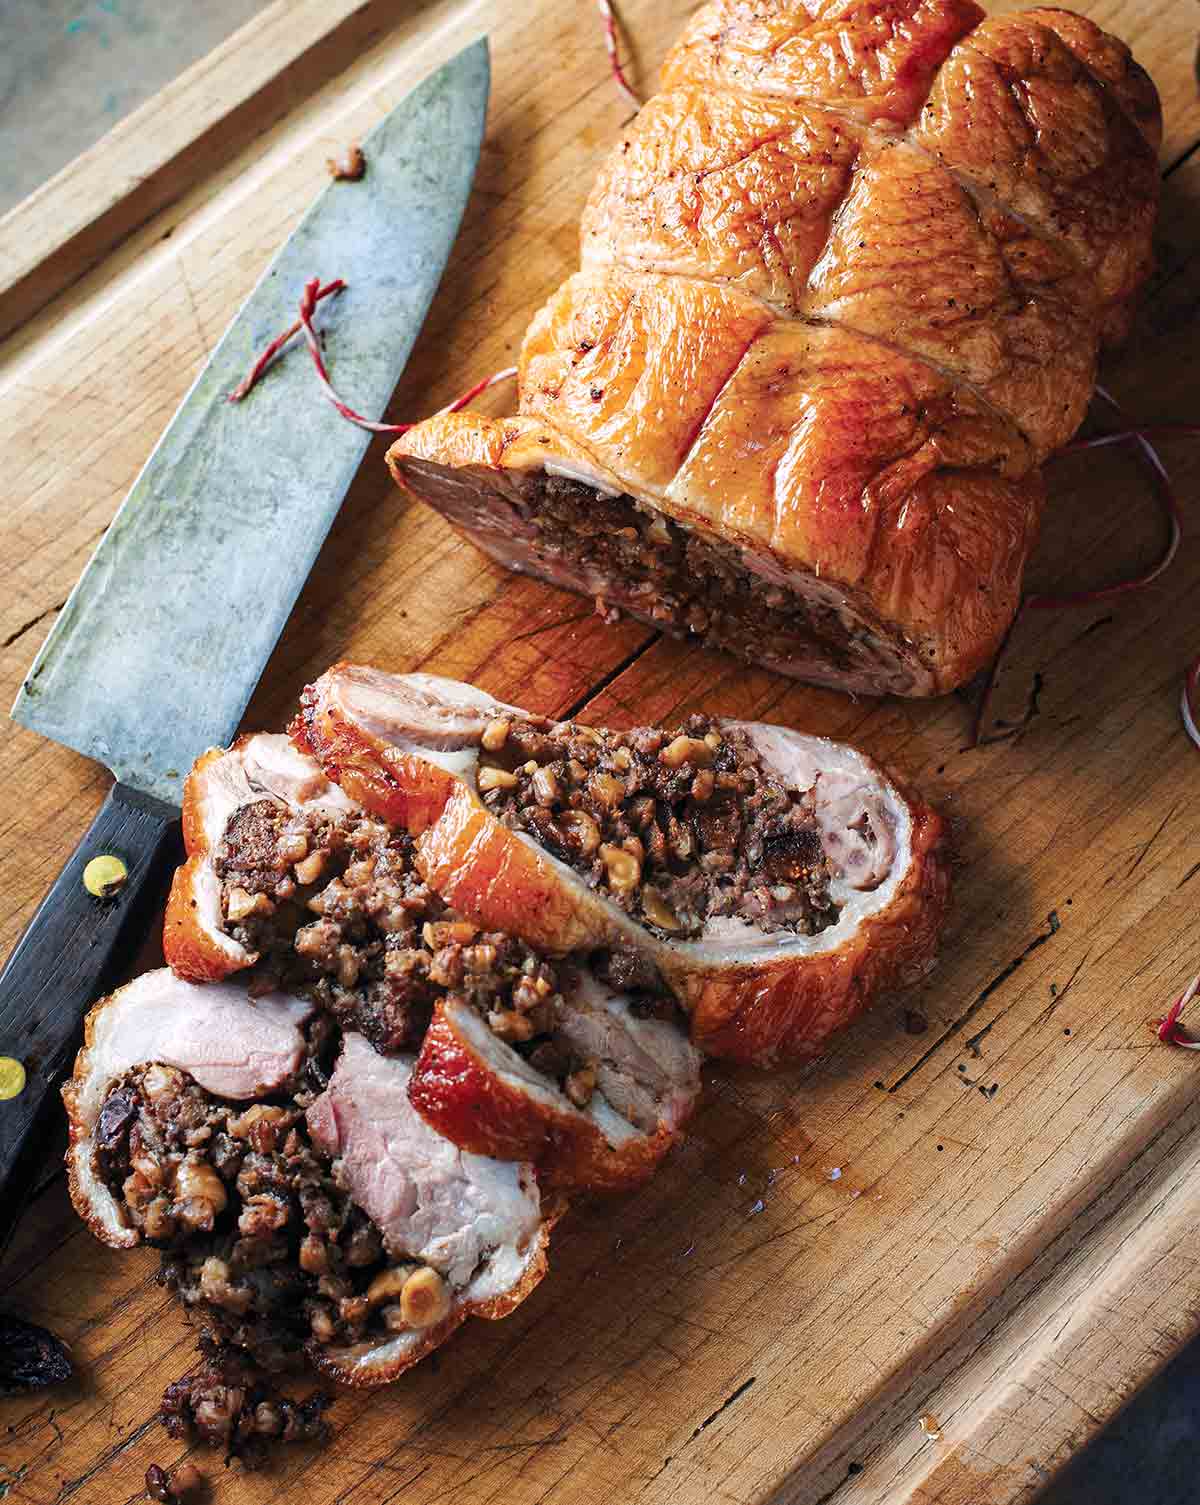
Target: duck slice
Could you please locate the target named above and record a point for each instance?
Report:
(478, 1223)
(774, 882)
(233, 1046)
(233, 801)
(629, 1085)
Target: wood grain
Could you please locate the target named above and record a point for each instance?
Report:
(1010, 1245)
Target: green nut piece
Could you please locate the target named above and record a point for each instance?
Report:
(105, 876)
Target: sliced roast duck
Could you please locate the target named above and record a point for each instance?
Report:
(293, 1218)
(519, 1057)
(771, 882)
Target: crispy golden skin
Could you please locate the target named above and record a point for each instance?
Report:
(844, 287)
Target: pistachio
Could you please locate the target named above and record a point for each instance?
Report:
(658, 912)
(496, 778)
(624, 869)
(425, 1299)
(495, 734)
(581, 831)
(311, 868)
(686, 750)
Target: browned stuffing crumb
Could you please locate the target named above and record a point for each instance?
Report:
(350, 165)
(229, 1404)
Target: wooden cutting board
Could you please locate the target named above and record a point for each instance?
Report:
(980, 1208)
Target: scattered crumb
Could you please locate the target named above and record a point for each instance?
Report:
(350, 166)
(930, 1425)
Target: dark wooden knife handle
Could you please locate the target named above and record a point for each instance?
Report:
(73, 950)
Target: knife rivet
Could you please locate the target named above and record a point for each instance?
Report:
(12, 1078)
(105, 876)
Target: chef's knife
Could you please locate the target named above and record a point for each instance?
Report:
(156, 653)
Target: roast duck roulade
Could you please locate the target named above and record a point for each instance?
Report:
(844, 284)
(771, 882)
(515, 1056)
(301, 1204)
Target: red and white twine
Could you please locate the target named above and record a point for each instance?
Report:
(610, 46)
(313, 293)
(1169, 1030)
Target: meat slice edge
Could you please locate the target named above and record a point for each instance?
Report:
(234, 1046)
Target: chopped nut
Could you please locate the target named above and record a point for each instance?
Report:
(196, 1181)
(624, 869)
(322, 1324)
(496, 778)
(530, 767)
(314, 1255)
(240, 904)
(545, 787)
(359, 873)
(623, 758)
(425, 1299)
(311, 868)
(215, 1287)
(495, 734)
(348, 966)
(260, 1124)
(580, 1085)
(389, 1284)
(702, 786)
(713, 739)
(581, 831)
(686, 750)
(510, 1025)
(658, 912)
(293, 847)
(606, 789)
(439, 933)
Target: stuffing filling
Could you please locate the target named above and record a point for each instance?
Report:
(229, 1404)
(682, 581)
(257, 1235)
(339, 916)
(677, 827)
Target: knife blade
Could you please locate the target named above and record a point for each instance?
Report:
(161, 643)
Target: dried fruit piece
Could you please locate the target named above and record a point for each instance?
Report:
(30, 1356)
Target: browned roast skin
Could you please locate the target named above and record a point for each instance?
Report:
(844, 285)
